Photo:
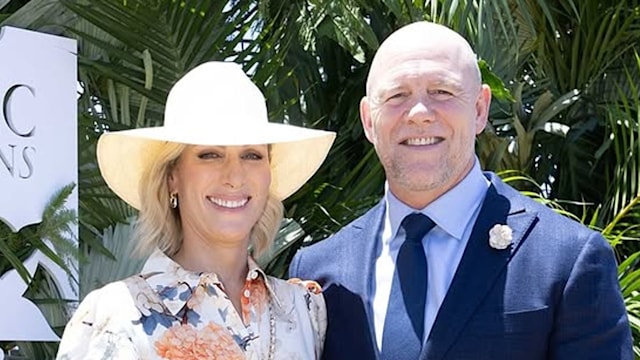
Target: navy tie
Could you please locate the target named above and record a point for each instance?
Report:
(404, 322)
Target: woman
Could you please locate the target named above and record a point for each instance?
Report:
(209, 185)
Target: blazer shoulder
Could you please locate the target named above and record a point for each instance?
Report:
(549, 220)
(348, 233)
(338, 248)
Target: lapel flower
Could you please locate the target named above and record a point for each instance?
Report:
(500, 236)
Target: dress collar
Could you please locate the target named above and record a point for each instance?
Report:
(174, 284)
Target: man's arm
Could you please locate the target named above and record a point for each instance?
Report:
(591, 321)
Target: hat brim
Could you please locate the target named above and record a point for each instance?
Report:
(296, 154)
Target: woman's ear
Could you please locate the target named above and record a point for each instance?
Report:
(172, 177)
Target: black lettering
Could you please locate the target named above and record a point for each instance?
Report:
(10, 165)
(27, 161)
(5, 110)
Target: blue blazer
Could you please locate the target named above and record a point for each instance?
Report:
(553, 295)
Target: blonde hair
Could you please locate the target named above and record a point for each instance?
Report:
(159, 225)
(264, 231)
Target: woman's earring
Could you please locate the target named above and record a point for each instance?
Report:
(173, 200)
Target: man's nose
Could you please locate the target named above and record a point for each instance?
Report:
(420, 110)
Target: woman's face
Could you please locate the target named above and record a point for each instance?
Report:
(222, 191)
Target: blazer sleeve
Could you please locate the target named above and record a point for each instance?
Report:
(591, 319)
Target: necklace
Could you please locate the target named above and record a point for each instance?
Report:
(272, 332)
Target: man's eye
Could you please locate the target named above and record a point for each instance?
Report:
(441, 92)
(398, 95)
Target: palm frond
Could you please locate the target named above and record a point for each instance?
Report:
(100, 269)
(54, 232)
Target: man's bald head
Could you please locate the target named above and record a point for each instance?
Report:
(424, 106)
(420, 37)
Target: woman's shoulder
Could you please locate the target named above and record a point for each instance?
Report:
(294, 293)
(102, 324)
(114, 295)
(294, 287)
(109, 289)
(297, 293)
(299, 297)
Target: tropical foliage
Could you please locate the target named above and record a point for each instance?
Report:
(566, 112)
(56, 228)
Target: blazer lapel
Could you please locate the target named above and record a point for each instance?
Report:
(363, 250)
(478, 269)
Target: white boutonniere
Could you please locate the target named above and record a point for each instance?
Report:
(500, 236)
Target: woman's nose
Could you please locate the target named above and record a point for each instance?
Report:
(234, 174)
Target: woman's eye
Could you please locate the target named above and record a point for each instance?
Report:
(209, 155)
(253, 156)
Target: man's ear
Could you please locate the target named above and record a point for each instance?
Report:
(482, 108)
(365, 118)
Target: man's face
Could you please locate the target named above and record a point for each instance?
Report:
(425, 105)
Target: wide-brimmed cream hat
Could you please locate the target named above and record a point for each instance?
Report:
(214, 104)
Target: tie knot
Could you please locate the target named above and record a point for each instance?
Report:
(417, 225)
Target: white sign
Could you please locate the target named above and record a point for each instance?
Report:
(38, 156)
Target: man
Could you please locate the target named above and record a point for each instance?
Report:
(503, 277)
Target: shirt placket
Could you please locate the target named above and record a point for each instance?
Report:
(247, 332)
(255, 314)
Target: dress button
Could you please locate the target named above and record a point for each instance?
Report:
(247, 293)
(254, 275)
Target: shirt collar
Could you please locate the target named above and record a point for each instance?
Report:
(451, 212)
(161, 272)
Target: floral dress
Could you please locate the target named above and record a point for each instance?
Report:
(167, 312)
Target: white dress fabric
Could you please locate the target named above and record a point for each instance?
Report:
(167, 312)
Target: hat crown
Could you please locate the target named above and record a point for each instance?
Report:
(212, 96)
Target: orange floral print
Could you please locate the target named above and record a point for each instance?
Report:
(197, 297)
(255, 302)
(311, 285)
(183, 342)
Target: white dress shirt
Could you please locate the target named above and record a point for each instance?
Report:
(454, 214)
